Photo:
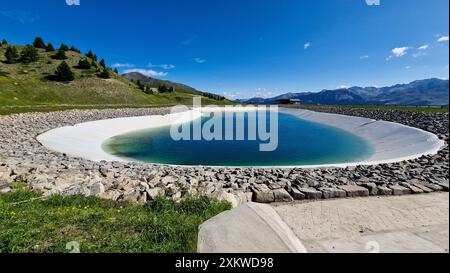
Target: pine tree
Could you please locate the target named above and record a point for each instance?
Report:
(90, 54)
(60, 55)
(84, 64)
(29, 54)
(116, 71)
(162, 89)
(4, 42)
(74, 49)
(49, 48)
(104, 74)
(39, 43)
(63, 73)
(11, 54)
(63, 47)
(102, 63)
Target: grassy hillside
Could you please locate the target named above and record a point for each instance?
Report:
(27, 86)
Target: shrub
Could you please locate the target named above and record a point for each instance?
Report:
(4, 42)
(39, 43)
(63, 73)
(29, 54)
(11, 54)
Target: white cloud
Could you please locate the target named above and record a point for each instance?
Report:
(163, 66)
(147, 72)
(443, 39)
(120, 65)
(398, 52)
(199, 60)
(424, 47)
(364, 57)
(307, 45)
(343, 86)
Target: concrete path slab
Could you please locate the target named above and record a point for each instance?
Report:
(395, 224)
(414, 223)
(250, 228)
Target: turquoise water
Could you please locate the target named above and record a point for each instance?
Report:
(300, 143)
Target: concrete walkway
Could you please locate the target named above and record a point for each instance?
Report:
(413, 223)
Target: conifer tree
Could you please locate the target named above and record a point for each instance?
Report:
(64, 73)
(49, 48)
(102, 63)
(39, 43)
(63, 47)
(29, 54)
(11, 54)
(60, 55)
(84, 64)
(104, 74)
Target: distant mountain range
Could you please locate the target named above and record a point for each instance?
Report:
(429, 92)
(155, 83)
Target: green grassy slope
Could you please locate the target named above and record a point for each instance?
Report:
(25, 86)
(30, 224)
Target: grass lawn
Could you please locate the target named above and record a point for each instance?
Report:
(101, 226)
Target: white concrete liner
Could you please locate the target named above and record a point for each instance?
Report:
(249, 228)
(392, 142)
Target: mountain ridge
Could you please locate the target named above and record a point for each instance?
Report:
(428, 92)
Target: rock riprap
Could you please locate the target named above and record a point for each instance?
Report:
(24, 159)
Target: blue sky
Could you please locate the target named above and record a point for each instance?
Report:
(245, 48)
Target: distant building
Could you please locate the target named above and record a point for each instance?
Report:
(289, 101)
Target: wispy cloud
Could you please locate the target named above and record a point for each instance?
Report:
(147, 72)
(23, 16)
(307, 45)
(443, 39)
(408, 67)
(199, 60)
(398, 52)
(122, 65)
(364, 57)
(163, 66)
(189, 40)
(424, 47)
(232, 95)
